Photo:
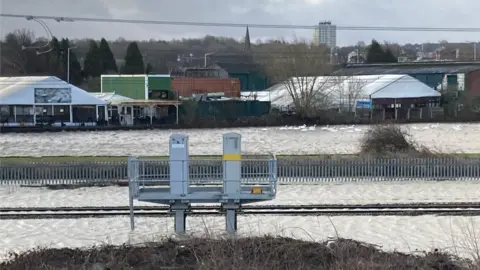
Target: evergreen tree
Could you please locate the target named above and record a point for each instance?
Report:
(375, 53)
(390, 57)
(76, 76)
(133, 60)
(64, 45)
(148, 68)
(56, 47)
(109, 64)
(54, 58)
(92, 66)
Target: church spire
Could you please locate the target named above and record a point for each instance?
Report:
(248, 45)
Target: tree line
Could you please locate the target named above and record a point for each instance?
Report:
(23, 55)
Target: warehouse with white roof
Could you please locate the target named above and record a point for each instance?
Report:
(353, 93)
(47, 100)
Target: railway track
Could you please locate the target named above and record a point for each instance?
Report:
(412, 209)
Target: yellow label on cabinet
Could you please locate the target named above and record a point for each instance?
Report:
(232, 157)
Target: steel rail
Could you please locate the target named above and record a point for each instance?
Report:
(325, 212)
(457, 205)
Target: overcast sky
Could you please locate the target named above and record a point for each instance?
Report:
(409, 13)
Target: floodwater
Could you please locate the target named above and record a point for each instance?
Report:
(462, 138)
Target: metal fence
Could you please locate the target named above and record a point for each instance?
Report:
(290, 171)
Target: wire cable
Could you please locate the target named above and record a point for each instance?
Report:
(49, 33)
(250, 25)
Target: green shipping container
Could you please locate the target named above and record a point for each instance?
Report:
(253, 81)
(135, 86)
(159, 82)
(132, 86)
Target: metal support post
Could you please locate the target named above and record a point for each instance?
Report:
(180, 216)
(232, 164)
(232, 175)
(132, 182)
(231, 209)
(132, 213)
(179, 169)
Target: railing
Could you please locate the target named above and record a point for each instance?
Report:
(289, 171)
(256, 172)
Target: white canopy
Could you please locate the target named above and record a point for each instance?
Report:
(112, 97)
(43, 90)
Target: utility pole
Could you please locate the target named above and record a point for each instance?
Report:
(475, 51)
(205, 60)
(68, 62)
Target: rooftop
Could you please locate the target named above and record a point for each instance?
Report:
(142, 102)
(409, 68)
(111, 97)
(238, 67)
(340, 90)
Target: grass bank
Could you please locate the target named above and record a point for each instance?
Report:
(26, 159)
(224, 254)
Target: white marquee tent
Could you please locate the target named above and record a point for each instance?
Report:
(24, 90)
(347, 90)
(28, 100)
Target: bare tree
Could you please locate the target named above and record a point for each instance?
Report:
(349, 89)
(301, 68)
(13, 56)
(24, 37)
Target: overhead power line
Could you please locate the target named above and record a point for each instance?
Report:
(237, 25)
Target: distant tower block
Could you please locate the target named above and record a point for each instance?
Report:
(179, 172)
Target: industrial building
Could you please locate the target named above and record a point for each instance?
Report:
(382, 97)
(452, 76)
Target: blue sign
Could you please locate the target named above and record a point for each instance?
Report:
(365, 104)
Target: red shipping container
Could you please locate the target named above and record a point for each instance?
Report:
(187, 86)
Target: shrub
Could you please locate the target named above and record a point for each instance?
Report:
(189, 114)
(243, 253)
(382, 139)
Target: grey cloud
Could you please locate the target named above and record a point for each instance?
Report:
(424, 13)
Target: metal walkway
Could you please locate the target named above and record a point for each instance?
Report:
(230, 187)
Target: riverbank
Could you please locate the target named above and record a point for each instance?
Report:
(244, 253)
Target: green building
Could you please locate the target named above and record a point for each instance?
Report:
(251, 75)
(146, 87)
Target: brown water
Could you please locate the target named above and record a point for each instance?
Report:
(340, 139)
